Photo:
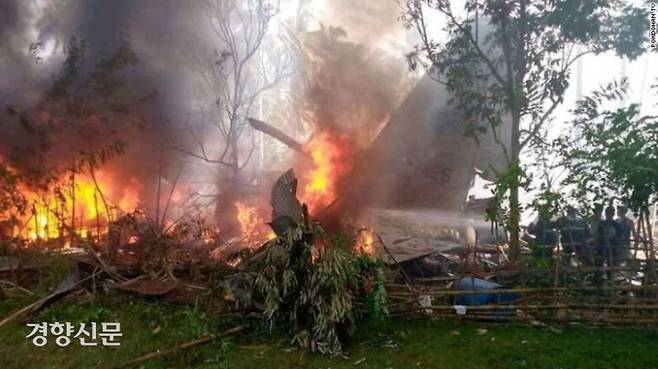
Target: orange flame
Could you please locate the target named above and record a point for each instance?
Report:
(49, 211)
(366, 241)
(247, 217)
(253, 229)
(332, 160)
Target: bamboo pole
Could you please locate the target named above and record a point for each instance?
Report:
(566, 270)
(446, 292)
(47, 227)
(179, 347)
(73, 238)
(98, 219)
(36, 221)
(573, 306)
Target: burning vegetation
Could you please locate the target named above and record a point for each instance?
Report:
(86, 205)
(253, 228)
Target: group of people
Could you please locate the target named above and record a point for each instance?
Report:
(598, 241)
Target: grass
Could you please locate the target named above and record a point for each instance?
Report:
(417, 343)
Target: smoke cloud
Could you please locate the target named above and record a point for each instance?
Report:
(150, 102)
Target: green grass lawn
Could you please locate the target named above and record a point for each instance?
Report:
(417, 343)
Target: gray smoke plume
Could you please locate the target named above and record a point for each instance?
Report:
(354, 75)
(33, 40)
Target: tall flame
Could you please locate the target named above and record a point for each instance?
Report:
(332, 161)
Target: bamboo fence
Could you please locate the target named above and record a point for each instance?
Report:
(603, 292)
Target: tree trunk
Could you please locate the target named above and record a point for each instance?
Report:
(650, 254)
(231, 190)
(514, 207)
(514, 220)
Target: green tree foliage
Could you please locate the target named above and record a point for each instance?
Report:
(516, 69)
(318, 293)
(611, 152)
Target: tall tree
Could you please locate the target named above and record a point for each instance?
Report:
(516, 69)
(240, 69)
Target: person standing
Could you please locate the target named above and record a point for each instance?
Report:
(544, 236)
(609, 243)
(594, 238)
(627, 230)
(573, 234)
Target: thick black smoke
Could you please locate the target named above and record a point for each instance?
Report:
(154, 95)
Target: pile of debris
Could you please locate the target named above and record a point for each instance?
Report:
(302, 275)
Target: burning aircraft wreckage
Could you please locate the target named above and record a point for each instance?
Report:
(403, 198)
(409, 189)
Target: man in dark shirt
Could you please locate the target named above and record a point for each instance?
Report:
(573, 234)
(609, 238)
(590, 252)
(627, 229)
(545, 236)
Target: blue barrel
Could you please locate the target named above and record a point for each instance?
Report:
(471, 284)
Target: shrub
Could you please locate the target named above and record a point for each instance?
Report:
(318, 292)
